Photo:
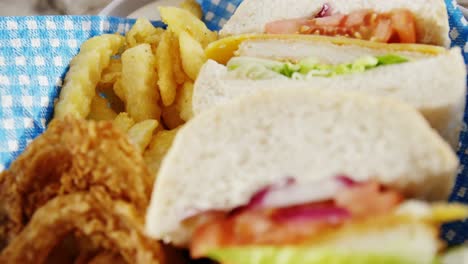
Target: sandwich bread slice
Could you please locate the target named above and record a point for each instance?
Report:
(431, 79)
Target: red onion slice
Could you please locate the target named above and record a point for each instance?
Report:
(346, 180)
(258, 199)
(330, 214)
(325, 11)
(289, 193)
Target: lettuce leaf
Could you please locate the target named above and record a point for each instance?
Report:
(258, 69)
(301, 255)
(391, 59)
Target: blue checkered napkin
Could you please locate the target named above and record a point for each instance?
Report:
(457, 233)
(34, 56)
(217, 12)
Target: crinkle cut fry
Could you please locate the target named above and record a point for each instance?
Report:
(114, 225)
(72, 155)
(85, 72)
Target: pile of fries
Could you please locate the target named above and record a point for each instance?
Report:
(142, 81)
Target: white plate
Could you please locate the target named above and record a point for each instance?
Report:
(463, 6)
(465, 11)
(137, 8)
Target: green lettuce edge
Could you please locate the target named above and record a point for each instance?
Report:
(301, 255)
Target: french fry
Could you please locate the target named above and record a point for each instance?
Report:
(193, 7)
(143, 32)
(85, 72)
(119, 90)
(179, 75)
(111, 73)
(184, 101)
(139, 83)
(192, 55)
(154, 39)
(123, 122)
(180, 20)
(158, 148)
(167, 84)
(140, 134)
(100, 109)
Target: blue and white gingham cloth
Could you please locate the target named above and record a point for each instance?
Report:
(457, 233)
(34, 57)
(217, 12)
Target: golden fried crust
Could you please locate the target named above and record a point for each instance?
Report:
(72, 155)
(114, 225)
(107, 258)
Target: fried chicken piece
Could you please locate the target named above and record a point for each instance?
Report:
(102, 257)
(72, 155)
(116, 226)
(107, 258)
(64, 252)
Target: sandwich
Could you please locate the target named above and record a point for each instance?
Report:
(306, 176)
(396, 21)
(429, 78)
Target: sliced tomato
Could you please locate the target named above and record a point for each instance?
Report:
(358, 18)
(253, 228)
(396, 26)
(404, 25)
(208, 237)
(289, 26)
(383, 32)
(334, 21)
(327, 30)
(203, 218)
